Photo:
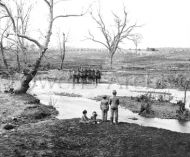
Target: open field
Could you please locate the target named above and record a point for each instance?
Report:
(128, 67)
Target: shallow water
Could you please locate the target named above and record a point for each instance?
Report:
(72, 107)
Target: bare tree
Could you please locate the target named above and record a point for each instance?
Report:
(42, 47)
(2, 37)
(22, 21)
(62, 48)
(136, 38)
(112, 40)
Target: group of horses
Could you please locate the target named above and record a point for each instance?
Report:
(86, 76)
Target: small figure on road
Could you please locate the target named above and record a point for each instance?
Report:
(114, 103)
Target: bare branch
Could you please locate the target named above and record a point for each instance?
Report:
(2, 17)
(31, 39)
(9, 14)
(97, 41)
(48, 3)
(70, 15)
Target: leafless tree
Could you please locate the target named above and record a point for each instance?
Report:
(62, 41)
(136, 38)
(42, 47)
(2, 48)
(123, 30)
(22, 21)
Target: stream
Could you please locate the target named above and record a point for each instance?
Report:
(72, 107)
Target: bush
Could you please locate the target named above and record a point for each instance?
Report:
(9, 127)
(146, 109)
(160, 84)
(145, 97)
(151, 49)
(183, 116)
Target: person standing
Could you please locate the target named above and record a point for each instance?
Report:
(114, 103)
(104, 106)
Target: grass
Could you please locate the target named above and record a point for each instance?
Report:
(68, 138)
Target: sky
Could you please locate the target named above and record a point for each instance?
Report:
(165, 23)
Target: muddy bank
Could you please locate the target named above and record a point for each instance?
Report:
(163, 110)
(16, 110)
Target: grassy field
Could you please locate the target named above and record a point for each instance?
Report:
(128, 67)
(163, 59)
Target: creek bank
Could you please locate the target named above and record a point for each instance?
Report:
(163, 110)
(16, 110)
(54, 138)
(36, 132)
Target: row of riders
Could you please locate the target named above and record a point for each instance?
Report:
(86, 75)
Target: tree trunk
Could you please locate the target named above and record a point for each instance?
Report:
(185, 95)
(136, 49)
(28, 77)
(62, 59)
(63, 52)
(3, 56)
(18, 60)
(111, 61)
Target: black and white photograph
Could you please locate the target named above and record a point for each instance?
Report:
(94, 78)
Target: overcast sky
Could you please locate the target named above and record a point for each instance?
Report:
(166, 23)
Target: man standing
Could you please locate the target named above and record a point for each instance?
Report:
(114, 103)
(104, 106)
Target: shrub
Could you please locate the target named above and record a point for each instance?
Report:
(9, 127)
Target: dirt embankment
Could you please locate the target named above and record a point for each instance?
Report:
(69, 138)
(16, 110)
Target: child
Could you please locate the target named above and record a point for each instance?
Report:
(104, 106)
(93, 117)
(84, 118)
